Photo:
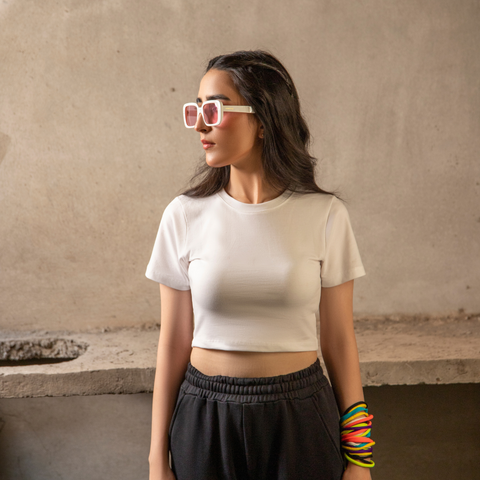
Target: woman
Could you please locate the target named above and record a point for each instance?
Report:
(256, 250)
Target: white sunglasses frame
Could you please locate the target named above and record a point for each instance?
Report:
(220, 107)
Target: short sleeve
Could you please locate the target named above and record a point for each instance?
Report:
(168, 264)
(342, 260)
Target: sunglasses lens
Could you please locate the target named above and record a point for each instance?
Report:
(190, 115)
(210, 111)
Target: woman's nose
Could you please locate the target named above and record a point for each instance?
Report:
(200, 124)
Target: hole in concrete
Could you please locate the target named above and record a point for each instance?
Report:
(15, 353)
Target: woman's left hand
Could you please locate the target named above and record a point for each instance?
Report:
(354, 472)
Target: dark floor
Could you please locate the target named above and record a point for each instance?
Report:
(422, 432)
(426, 431)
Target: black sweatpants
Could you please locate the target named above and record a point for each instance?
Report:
(274, 428)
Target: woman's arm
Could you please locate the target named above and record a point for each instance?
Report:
(340, 353)
(174, 348)
(338, 344)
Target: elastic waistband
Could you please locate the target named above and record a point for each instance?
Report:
(301, 384)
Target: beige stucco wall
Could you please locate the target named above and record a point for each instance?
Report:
(94, 147)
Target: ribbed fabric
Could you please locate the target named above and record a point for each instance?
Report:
(301, 384)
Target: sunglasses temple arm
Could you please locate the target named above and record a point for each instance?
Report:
(239, 109)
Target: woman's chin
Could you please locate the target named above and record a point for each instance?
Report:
(214, 163)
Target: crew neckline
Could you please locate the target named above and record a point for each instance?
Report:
(254, 207)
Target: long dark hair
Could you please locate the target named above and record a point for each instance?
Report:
(267, 86)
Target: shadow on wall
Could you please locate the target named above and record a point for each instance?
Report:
(4, 144)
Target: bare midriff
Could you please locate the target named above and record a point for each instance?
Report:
(249, 364)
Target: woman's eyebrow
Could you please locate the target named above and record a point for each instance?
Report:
(214, 97)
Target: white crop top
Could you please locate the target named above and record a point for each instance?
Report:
(255, 271)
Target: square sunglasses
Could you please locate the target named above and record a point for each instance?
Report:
(212, 112)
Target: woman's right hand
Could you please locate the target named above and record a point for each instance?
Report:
(161, 474)
(170, 476)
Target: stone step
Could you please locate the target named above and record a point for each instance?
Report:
(394, 350)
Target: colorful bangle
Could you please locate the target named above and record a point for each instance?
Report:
(355, 431)
(350, 412)
(361, 463)
(351, 407)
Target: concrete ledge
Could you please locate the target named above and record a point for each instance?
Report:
(419, 350)
(393, 351)
(120, 361)
(420, 372)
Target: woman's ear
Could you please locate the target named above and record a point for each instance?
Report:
(261, 131)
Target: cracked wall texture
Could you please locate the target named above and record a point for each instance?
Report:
(92, 143)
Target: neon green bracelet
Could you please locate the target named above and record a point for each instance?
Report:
(360, 464)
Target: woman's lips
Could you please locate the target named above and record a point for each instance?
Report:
(207, 145)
